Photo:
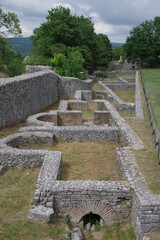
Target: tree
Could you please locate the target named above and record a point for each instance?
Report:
(70, 31)
(143, 44)
(103, 51)
(10, 62)
(70, 66)
(117, 52)
(9, 23)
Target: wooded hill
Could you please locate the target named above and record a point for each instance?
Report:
(23, 45)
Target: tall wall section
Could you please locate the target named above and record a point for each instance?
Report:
(24, 95)
(30, 93)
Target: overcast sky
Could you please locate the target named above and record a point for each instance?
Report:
(115, 18)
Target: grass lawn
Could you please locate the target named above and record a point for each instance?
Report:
(126, 95)
(151, 79)
(146, 158)
(120, 75)
(79, 158)
(16, 192)
(118, 232)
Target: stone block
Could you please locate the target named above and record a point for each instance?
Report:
(87, 95)
(1, 170)
(101, 117)
(77, 105)
(70, 118)
(92, 106)
(41, 214)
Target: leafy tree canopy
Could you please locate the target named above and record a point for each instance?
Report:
(117, 52)
(9, 23)
(70, 65)
(63, 30)
(10, 61)
(143, 44)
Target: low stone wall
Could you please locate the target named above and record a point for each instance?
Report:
(79, 133)
(102, 95)
(138, 102)
(127, 136)
(70, 118)
(67, 86)
(37, 68)
(24, 95)
(122, 106)
(145, 205)
(107, 74)
(65, 196)
(118, 85)
(102, 117)
(14, 158)
(127, 79)
(118, 128)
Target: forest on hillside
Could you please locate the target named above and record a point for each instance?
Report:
(23, 45)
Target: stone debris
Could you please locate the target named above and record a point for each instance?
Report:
(1, 170)
(41, 214)
(76, 234)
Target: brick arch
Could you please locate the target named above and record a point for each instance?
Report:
(96, 207)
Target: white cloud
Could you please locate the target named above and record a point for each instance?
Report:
(102, 27)
(84, 7)
(94, 15)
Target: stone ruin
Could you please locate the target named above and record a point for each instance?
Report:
(109, 201)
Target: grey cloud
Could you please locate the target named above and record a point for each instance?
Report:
(116, 14)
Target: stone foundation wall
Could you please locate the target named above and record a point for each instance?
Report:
(70, 118)
(102, 117)
(27, 94)
(63, 196)
(24, 95)
(145, 205)
(14, 158)
(121, 105)
(119, 85)
(67, 86)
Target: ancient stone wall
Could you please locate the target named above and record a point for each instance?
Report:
(27, 94)
(24, 95)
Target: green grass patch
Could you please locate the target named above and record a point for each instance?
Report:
(16, 193)
(80, 157)
(87, 116)
(117, 232)
(126, 95)
(146, 158)
(151, 79)
(95, 87)
(120, 75)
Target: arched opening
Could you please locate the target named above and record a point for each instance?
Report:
(90, 218)
(96, 210)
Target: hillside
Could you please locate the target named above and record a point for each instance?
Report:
(22, 45)
(116, 44)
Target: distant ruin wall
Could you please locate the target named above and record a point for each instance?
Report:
(24, 95)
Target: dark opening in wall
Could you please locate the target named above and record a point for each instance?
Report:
(91, 218)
